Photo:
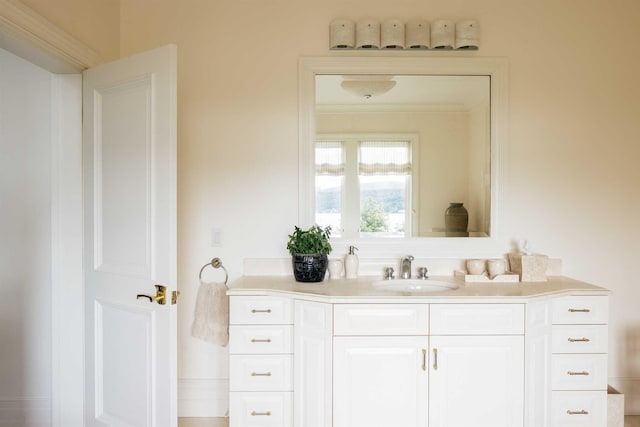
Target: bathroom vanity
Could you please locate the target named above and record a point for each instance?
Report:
(344, 353)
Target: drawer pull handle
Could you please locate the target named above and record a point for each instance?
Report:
(579, 310)
(424, 359)
(579, 340)
(578, 373)
(582, 412)
(267, 374)
(261, 311)
(261, 414)
(435, 359)
(260, 340)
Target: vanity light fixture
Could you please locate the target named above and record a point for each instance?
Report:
(467, 35)
(392, 34)
(368, 34)
(368, 86)
(443, 34)
(416, 34)
(343, 34)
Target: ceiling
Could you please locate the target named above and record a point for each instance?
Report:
(419, 93)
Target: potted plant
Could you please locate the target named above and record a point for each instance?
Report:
(309, 249)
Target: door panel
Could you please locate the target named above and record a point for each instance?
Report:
(129, 168)
(380, 381)
(476, 381)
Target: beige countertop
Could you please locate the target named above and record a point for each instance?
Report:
(362, 290)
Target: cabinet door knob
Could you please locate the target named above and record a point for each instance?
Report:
(581, 412)
(579, 310)
(261, 340)
(424, 359)
(261, 414)
(268, 310)
(259, 374)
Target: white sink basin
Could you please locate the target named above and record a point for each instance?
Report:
(414, 285)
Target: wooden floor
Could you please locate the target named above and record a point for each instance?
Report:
(629, 421)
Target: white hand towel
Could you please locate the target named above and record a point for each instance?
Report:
(211, 315)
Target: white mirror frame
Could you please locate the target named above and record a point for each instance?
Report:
(420, 247)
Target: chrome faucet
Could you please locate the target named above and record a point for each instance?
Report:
(405, 267)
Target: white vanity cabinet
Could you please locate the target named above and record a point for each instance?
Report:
(305, 359)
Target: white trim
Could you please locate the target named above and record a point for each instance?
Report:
(203, 398)
(67, 294)
(497, 68)
(25, 412)
(41, 42)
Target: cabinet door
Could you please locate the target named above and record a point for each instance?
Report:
(476, 381)
(380, 381)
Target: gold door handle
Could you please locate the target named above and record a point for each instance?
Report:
(579, 310)
(261, 414)
(160, 297)
(424, 359)
(260, 374)
(572, 373)
(435, 359)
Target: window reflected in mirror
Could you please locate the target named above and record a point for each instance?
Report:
(389, 162)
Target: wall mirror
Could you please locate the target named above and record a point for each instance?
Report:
(387, 144)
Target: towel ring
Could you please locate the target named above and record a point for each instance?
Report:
(215, 263)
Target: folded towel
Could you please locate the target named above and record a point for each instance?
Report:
(211, 315)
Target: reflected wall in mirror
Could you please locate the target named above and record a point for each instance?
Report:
(386, 144)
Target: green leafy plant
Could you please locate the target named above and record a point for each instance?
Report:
(315, 240)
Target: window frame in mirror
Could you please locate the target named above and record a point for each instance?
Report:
(495, 68)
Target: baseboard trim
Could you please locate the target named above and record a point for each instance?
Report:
(630, 387)
(23, 412)
(202, 397)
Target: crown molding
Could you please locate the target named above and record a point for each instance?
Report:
(26, 33)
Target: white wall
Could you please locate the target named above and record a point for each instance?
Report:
(25, 233)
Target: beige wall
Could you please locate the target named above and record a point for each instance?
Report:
(572, 175)
(94, 22)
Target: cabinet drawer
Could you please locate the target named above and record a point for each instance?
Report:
(260, 409)
(477, 319)
(580, 310)
(260, 339)
(579, 339)
(256, 310)
(381, 319)
(579, 408)
(261, 372)
(579, 372)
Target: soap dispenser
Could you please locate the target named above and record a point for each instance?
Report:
(351, 263)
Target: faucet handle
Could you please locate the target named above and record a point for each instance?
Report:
(422, 273)
(409, 258)
(388, 273)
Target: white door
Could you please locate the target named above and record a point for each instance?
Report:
(380, 381)
(476, 381)
(129, 178)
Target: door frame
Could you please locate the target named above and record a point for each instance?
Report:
(27, 34)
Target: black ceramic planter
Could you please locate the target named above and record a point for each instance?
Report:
(309, 267)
